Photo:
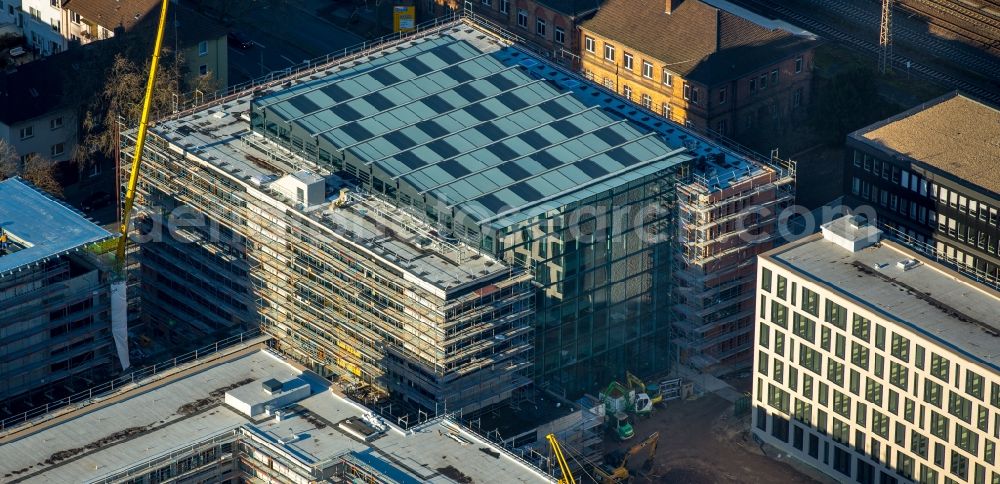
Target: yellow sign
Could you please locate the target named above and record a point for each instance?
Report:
(404, 19)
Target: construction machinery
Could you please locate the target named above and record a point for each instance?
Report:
(567, 475)
(610, 474)
(619, 402)
(133, 178)
(652, 390)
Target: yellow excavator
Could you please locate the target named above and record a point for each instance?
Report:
(620, 474)
(133, 178)
(637, 385)
(567, 475)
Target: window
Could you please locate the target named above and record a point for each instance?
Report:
(765, 279)
(559, 35)
(647, 102)
(488, 3)
(753, 86)
(974, 384)
(810, 302)
(797, 97)
(522, 18)
(74, 17)
(779, 314)
(804, 328)
(56, 123)
(939, 367)
(609, 52)
(608, 83)
(665, 107)
(647, 69)
(203, 48)
(798, 65)
(504, 6)
(836, 314)
(722, 95)
(629, 64)
(774, 77)
(932, 393)
(861, 328)
(687, 92)
(590, 44)
(203, 70)
(900, 347)
(763, 81)
(668, 78)
(58, 149)
(540, 27)
(627, 92)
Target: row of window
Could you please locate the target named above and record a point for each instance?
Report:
(28, 132)
(933, 191)
(541, 25)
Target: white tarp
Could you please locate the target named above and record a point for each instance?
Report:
(119, 321)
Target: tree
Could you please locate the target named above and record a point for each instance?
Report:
(9, 163)
(121, 99)
(35, 169)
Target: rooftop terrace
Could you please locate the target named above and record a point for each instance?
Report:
(953, 133)
(142, 424)
(40, 226)
(928, 298)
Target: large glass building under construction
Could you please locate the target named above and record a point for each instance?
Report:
(445, 217)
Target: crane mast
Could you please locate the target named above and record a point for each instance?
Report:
(567, 475)
(133, 178)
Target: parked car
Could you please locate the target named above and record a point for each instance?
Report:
(95, 201)
(239, 40)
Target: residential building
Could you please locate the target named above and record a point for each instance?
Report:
(548, 27)
(728, 214)
(200, 41)
(704, 63)
(10, 13)
(42, 24)
(874, 363)
(930, 174)
(35, 117)
(55, 300)
(248, 415)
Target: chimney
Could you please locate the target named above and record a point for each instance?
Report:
(672, 5)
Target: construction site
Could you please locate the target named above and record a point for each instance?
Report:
(445, 224)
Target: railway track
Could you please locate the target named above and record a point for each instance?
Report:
(778, 10)
(904, 31)
(981, 29)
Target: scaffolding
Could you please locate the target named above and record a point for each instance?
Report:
(344, 288)
(726, 219)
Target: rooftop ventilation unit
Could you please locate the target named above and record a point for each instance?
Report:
(907, 264)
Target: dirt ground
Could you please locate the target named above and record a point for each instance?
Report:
(702, 443)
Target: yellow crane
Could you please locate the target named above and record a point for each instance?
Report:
(620, 473)
(133, 178)
(567, 476)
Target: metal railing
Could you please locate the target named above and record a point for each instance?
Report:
(134, 378)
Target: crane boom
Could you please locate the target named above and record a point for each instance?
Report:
(133, 178)
(567, 476)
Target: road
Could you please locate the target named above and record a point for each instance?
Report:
(281, 42)
(948, 62)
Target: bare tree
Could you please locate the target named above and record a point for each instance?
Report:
(35, 169)
(121, 99)
(41, 172)
(10, 164)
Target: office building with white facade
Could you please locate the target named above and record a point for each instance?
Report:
(875, 364)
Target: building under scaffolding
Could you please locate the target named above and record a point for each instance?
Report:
(728, 214)
(55, 300)
(425, 216)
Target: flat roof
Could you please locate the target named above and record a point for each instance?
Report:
(953, 133)
(930, 299)
(42, 226)
(103, 439)
(463, 116)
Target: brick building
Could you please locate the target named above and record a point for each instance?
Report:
(727, 70)
(549, 26)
